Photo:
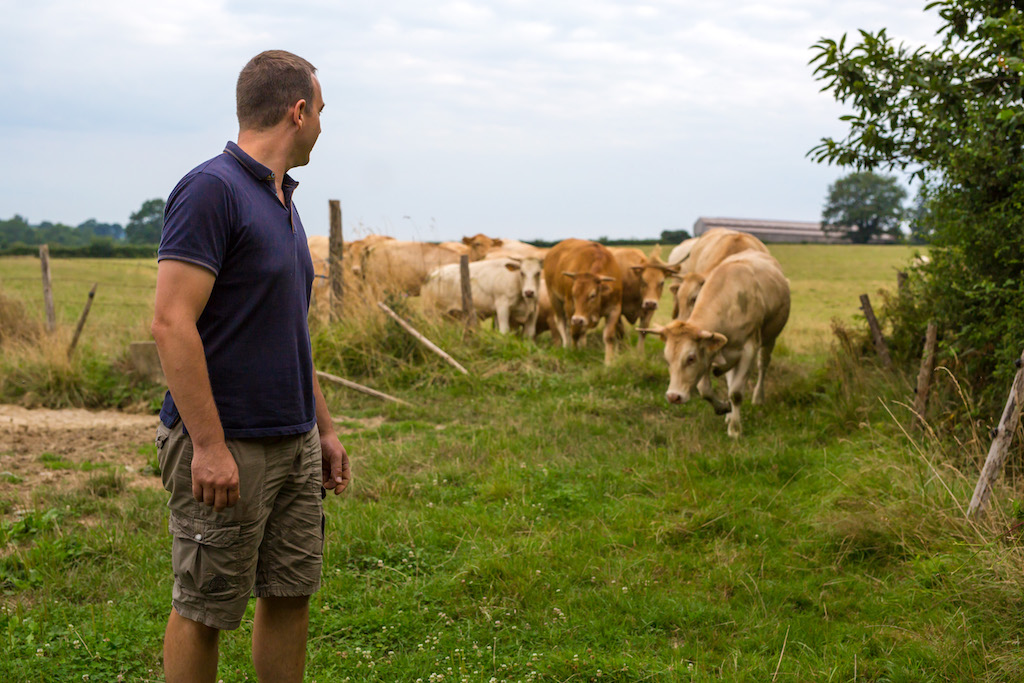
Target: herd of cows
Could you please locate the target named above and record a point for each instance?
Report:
(731, 299)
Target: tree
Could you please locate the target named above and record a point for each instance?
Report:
(93, 228)
(674, 236)
(864, 206)
(953, 116)
(146, 224)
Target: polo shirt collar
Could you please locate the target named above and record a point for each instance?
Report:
(258, 170)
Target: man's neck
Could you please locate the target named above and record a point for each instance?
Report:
(269, 148)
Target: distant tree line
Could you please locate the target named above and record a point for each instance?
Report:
(91, 238)
(672, 237)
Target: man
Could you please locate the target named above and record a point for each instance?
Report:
(246, 443)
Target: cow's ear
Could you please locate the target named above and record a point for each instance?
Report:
(657, 329)
(606, 289)
(571, 276)
(637, 269)
(513, 267)
(606, 278)
(497, 243)
(468, 241)
(670, 270)
(674, 287)
(712, 341)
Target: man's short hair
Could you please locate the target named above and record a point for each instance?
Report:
(269, 84)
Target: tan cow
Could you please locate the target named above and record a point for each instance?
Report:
(643, 279)
(680, 254)
(402, 266)
(740, 312)
(506, 289)
(585, 284)
(710, 249)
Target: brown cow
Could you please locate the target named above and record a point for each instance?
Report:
(479, 244)
(643, 279)
(739, 313)
(585, 284)
(710, 249)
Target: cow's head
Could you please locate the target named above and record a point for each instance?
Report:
(652, 273)
(586, 304)
(689, 351)
(479, 245)
(685, 293)
(530, 270)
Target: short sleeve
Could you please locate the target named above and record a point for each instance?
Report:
(197, 222)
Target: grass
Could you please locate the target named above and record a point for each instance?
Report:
(552, 519)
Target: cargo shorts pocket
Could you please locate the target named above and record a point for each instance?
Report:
(205, 558)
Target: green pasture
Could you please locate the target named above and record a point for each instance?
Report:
(548, 518)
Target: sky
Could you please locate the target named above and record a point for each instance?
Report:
(523, 119)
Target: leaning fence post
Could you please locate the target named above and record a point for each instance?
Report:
(336, 245)
(423, 340)
(1000, 448)
(468, 311)
(876, 331)
(924, 376)
(81, 320)
(44, 259)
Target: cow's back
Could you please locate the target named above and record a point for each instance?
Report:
(745, 295)
(404, 265)
(718, 244)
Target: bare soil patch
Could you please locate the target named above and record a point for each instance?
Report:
(64, 448)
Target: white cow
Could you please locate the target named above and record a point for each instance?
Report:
(504, 288)
(740, 311)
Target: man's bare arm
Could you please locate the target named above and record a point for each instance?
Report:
(182, 290)
(336, 471)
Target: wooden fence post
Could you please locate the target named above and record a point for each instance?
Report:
(924, 376)
(1000, 447)
(901, 282)
(51, 317)
(468, 311)
(876, 331)
(334, 271)
(81, 320)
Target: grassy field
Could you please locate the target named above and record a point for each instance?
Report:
(552, 519)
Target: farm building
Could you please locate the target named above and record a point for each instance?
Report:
(770, 231)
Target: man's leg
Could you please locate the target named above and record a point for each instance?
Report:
(279, 634)
(190, 651)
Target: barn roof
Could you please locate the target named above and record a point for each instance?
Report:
(770, 230)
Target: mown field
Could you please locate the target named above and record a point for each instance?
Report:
(551, 519)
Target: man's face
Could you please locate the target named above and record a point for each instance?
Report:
(311, 125)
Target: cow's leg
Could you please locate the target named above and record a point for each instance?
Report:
(530, 326)
(558, 308)
(737, 379)
(502, 311)
(707, 392)
(764, 359)
(611, 334)
(645, 323)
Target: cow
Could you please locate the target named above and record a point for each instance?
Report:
(643, 279)
(739, 313)
(585, 284)
(507, 289)
(480, 244)
(710, 249)
(403, 266)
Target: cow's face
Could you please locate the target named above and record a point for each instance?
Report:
(652, 282)
(688, 352)
(589, 292)
(686, 294)
(479, 245)
(530, 270)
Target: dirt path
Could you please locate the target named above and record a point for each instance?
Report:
(66, 447)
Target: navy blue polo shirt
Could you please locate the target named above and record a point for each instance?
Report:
(225, 216)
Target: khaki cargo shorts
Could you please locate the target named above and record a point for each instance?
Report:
(270, 544)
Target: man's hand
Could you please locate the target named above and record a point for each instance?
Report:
(214, 476)
(337, 474)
